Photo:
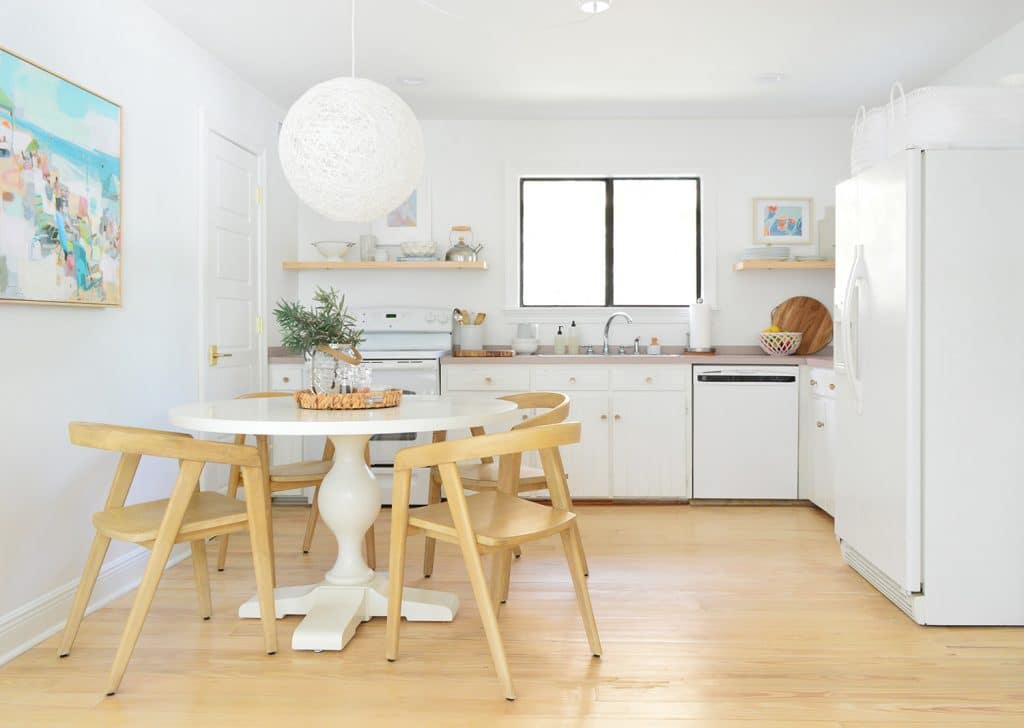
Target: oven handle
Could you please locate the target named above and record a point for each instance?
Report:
(388, 365)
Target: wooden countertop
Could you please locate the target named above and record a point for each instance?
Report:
(723, 355)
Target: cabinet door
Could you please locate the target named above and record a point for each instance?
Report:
(649, 444)
(823, 454)
(586, 463)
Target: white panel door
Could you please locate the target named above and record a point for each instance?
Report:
(649, 450)
(231, 272)
(873, 491)
(587, 463)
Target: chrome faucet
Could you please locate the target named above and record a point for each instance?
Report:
(608, 325)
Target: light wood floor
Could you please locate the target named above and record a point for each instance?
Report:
(724, 616)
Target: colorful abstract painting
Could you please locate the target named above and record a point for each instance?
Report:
(405, 214)
(783, 220)
(409, 222)
(60, 189)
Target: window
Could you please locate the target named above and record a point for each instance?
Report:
(616, 241)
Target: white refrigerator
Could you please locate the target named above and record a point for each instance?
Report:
(929, 309)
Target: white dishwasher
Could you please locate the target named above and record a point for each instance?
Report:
(745, 431)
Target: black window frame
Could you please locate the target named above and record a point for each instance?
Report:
(609, 239)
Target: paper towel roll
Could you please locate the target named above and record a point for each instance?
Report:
(700, 326)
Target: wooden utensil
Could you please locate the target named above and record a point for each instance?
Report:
(808, 316)
(479, 318)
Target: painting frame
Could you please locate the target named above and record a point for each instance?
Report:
(389, 234)
(117, 268)
(762, 234)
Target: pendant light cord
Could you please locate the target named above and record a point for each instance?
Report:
(353, 38)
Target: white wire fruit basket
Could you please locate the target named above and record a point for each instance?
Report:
(780, 343)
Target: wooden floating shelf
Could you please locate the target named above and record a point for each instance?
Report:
(388, 265)
(785, 265)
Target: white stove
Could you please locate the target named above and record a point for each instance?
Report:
(403, 347)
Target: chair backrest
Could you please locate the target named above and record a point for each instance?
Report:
(134, 442)
(509, 446)
(556, 404)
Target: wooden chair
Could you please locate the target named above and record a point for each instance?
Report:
(305, 474)
(490, 522)
(187, 516)
(483, 476)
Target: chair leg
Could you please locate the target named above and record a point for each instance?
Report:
(583, 552)
(396, 561)
(200, 570)
(140, 608)
(256, 499)
(314, 516)
(263, 446)
(222, 540)
(488, 616)
(574, 555)
(501, 567)
(93, 563)
(430, 544)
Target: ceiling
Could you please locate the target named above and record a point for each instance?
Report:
(642, 58)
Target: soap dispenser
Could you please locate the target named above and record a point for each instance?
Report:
(573, 344)
(559, 341)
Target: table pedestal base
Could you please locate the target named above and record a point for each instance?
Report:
(333, 612)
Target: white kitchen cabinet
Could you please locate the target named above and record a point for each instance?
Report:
(587, 463)
(648, 444)
(820, 438)
(291, 449)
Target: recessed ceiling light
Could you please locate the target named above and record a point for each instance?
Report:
(412, 80)
(773, 77)
(593, 7)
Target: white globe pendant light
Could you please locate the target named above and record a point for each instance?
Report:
(351, 148)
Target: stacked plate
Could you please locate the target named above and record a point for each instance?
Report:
(772, 252)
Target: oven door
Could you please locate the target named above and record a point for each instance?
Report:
(412, 376)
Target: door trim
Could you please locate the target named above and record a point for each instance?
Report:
(210, 122)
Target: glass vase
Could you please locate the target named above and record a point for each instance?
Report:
(323, 372)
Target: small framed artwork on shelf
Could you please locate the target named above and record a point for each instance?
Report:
(409, 222)
(783, 220)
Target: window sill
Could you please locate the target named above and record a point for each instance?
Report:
(596, 315)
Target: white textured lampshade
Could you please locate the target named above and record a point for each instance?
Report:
(351, 149)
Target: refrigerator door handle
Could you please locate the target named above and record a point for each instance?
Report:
(853, 285)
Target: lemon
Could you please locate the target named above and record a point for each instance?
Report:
(771, 330)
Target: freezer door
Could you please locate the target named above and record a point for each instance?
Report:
(877, 482)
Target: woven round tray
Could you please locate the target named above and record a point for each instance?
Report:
(351, 401)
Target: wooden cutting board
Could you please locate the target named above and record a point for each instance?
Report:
(484, 352)
(808, 316)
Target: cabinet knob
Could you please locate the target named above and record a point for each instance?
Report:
(832, 386)
(572, 380)
(814, 382)
(285, 379)
(649, 380)
(819, 424)
(618, 417)
(488, 380)
(604, 418)
(525, 417)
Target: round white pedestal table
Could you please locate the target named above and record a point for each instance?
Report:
(351, 592)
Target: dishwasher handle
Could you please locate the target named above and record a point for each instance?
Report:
(729, 378)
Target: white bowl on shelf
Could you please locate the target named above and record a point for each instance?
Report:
(333, 248)
(419, 249)
(524, 346)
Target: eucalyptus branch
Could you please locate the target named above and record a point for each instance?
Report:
(326, 323)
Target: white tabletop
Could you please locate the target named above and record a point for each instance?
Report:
(282, 416)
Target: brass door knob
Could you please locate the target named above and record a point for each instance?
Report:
(215, 355)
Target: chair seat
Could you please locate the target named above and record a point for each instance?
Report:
(141, 522)
(487, 473)
(299, 472)
(498, 519)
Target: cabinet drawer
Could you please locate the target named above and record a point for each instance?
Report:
(823, 382)
(588, 376)
(654, 378)
(507, 377)
(286, 377)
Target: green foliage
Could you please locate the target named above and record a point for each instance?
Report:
(326, 322)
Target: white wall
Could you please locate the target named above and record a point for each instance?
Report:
(126, 365)
(992, 62)
(466, 167)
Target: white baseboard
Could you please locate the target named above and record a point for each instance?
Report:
(28, 625)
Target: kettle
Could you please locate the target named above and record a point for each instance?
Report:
(460, 250)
